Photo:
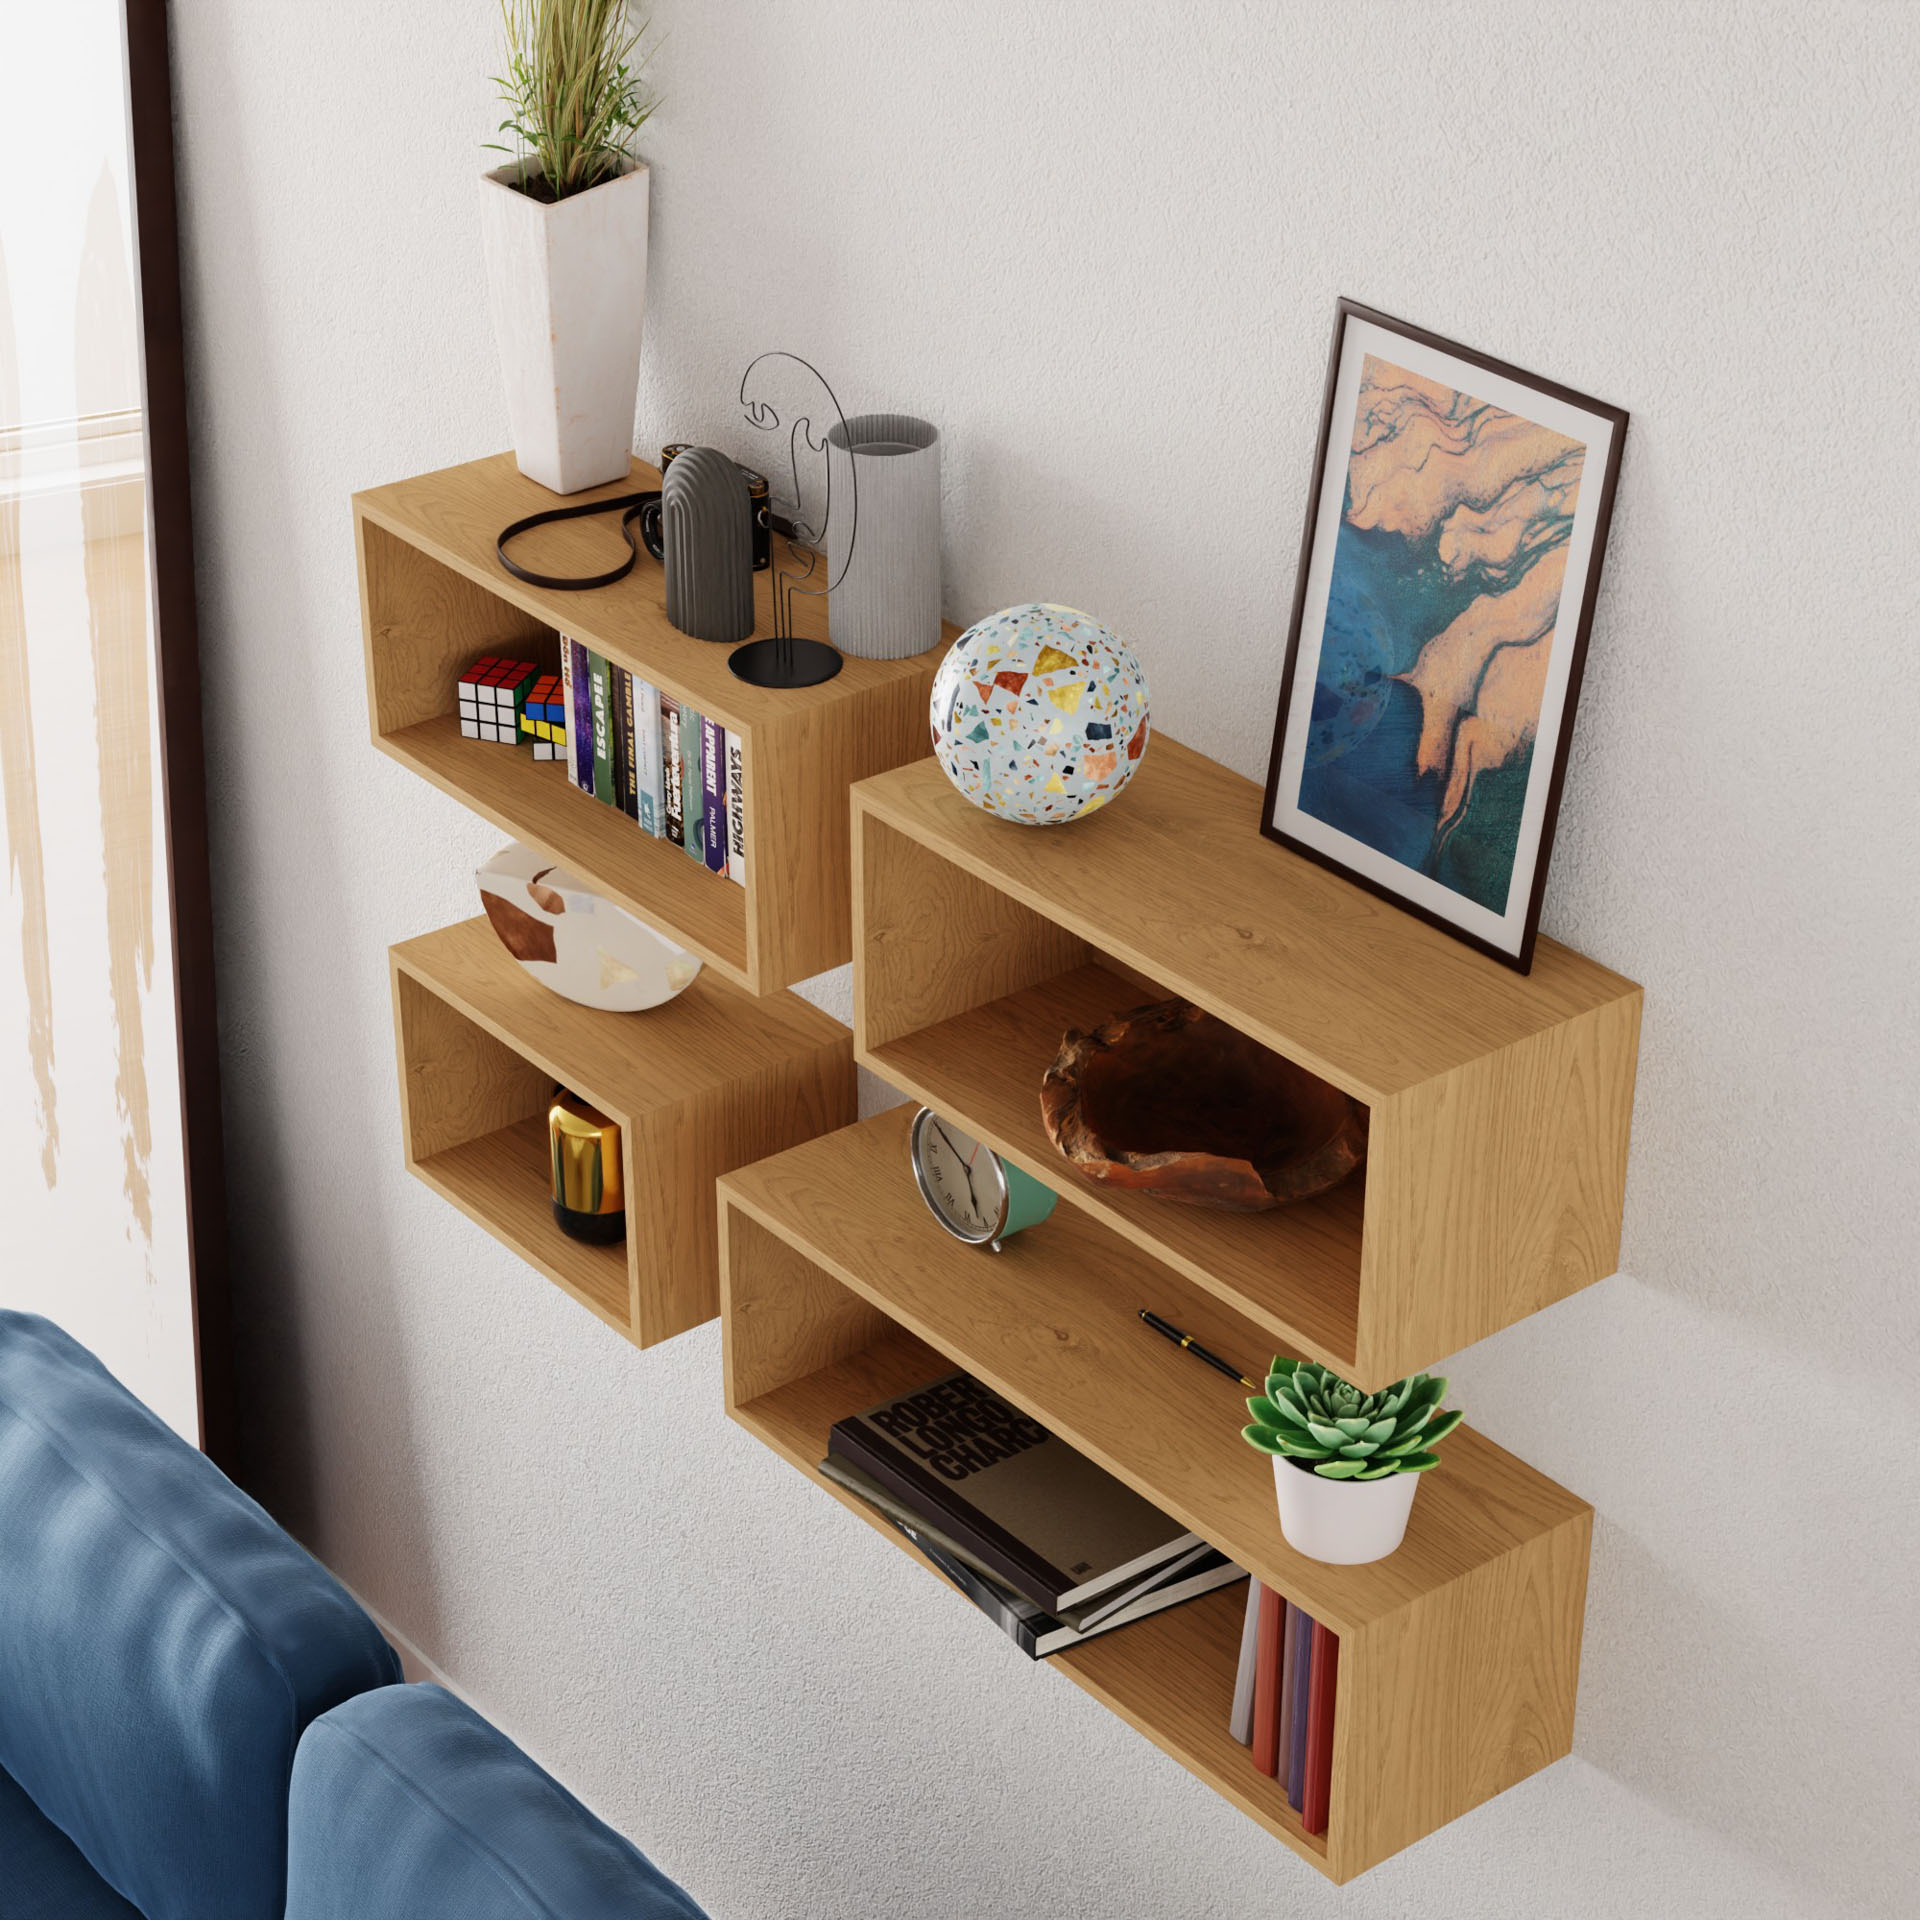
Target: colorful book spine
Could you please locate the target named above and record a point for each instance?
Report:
(646, 746)
(672, 817)
(626, 758)
(736, 809)
(713, 790)
(692, 790)
(1240, 1722)
(1319, 1749)
(1296, 1734)
(579, 714)
(1289, 1692)
(600, 686)
(1266, 1684)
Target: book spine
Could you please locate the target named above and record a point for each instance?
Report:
(1022, 1630)
(580, 716)
(566, 705)
(672, 821)
(1266, 1684)
(736, 809)
(906, 1481)
(1289, 1691)
(1296, 1734)
(713, 805)
(626, 748)
(1326, 1661)
(1240, 1723)
(646, 738)
(598, 680)
(692, 792)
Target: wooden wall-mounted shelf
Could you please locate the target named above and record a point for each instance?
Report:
(1459, 1655)
(1499, 1102)
(434, 596)
(706, 1083)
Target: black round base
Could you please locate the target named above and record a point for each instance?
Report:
(596, 1229)
(784, 663)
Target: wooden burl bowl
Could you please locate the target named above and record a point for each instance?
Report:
(1170, 1101)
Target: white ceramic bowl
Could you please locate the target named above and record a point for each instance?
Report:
(571, 940)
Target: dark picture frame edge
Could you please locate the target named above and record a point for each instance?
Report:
(183, 781)
(1346, 309)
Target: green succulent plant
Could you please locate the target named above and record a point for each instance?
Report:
(1328, 1426)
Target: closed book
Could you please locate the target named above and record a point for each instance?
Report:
(713, 773)
(1266, 1684)
(692, 791)
(1320, 1690)
(1038, 1633)
(1289, 1691)
(672, 819)
(1240, 1720)
(843, 1473)
(646, 749)
(1300, 1638)
(1044, 1517)
(579, 714)
(600, 685)
(736, 809)
(626, 751)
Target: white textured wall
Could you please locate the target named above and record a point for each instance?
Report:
(1100, 245)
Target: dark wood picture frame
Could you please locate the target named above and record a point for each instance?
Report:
(183, 781)
(1346, 311)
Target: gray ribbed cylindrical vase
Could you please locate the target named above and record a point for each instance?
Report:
(706, 527)
(885, 604)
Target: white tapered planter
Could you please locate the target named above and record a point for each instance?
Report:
(1343, 1522)
(569, 290)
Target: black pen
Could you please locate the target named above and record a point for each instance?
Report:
(1199, 1352)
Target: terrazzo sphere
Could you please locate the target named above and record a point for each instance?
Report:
(1039, 714)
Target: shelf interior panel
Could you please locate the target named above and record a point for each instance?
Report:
(533, 801)
(1052, 1323)
(1294, 1272)
(501, 1181)
(1170, 1677)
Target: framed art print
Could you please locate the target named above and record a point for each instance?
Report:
(1455, 530)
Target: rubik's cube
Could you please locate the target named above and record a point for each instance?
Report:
(492, 692)
(543, 719)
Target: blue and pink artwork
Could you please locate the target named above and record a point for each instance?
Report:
(1448, 585)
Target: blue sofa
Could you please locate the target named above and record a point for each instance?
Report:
(198, 1722)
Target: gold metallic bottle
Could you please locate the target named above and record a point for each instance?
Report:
(589, 1195)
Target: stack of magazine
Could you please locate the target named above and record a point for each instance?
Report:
(1047, 1545)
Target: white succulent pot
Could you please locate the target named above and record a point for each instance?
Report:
(1343, 1522)
(569, 290)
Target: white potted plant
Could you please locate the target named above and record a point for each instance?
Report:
(565, 229)
(1346, 1464)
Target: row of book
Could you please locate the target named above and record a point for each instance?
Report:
(677, 773)
(1050, 1547)
(1283, 1697)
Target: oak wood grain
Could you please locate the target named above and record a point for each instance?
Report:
(1174, 879)
(434, 596)
(1052, 1324)
(1294, 1272)
(711, 1081)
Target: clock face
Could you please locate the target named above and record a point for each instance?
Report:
(959, 1179)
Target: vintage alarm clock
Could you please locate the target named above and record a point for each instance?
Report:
(969, 1189)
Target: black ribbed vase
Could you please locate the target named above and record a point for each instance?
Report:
(706, 527)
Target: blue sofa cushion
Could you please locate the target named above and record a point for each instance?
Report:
(163, 1644)
(43, 1875)
(408, 1806)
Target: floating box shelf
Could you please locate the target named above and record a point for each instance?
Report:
(706, 1083)
(434, 595)
(1499, 1102)
(1459, 1655)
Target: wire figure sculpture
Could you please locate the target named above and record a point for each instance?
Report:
(788, 659)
